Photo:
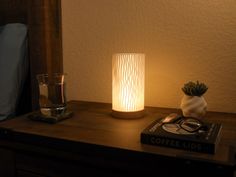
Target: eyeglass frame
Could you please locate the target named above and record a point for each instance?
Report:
(180, 120)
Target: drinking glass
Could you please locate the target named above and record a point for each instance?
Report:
(52, 96)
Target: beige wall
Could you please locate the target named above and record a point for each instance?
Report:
(183, 40)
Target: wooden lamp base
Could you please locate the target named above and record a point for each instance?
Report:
(128, 115)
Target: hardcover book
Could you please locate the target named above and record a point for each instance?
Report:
(172, 135)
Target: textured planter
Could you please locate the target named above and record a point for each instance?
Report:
(193, 106)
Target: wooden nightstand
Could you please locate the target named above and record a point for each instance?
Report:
(92, 143)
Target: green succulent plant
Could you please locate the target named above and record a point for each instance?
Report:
(194, 88)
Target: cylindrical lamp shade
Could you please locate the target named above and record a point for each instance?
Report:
(128, 77)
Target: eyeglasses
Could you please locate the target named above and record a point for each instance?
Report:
(185, 125)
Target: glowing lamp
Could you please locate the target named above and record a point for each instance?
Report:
(128, 76)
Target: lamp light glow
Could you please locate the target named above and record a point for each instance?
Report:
(128, 77)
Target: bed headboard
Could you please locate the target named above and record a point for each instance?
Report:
(43, 19)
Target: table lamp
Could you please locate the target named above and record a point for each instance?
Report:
(128, 76)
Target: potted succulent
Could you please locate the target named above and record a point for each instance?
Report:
(193, 103)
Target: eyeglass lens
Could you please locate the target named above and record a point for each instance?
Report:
(191, 125)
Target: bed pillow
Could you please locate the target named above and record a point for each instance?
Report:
(13, 66)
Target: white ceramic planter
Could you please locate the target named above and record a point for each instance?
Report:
(193, 106)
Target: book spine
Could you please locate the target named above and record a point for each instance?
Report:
(177, 143)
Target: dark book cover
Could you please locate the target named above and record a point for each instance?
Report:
(206, 142)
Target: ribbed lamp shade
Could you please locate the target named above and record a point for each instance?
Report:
(128, 77)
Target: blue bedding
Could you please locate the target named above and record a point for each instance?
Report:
(13, 66)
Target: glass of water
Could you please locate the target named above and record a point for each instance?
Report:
(52, 96)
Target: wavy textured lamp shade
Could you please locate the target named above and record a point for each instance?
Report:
(128, 76)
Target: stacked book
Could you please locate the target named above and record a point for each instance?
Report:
(168, 132)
